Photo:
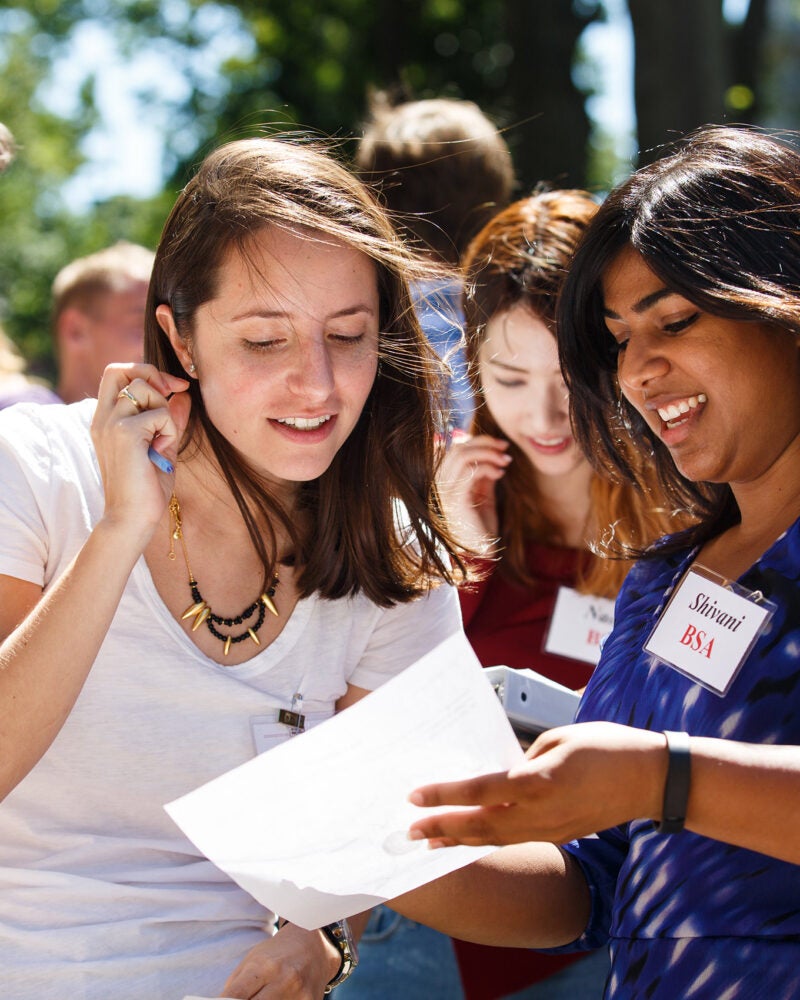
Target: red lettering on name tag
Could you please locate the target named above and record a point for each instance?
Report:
(696, 640)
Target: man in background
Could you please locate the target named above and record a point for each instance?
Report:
(98, 316)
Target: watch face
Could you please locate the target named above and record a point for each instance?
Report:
(340, 934)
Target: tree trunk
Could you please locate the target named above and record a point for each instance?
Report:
(549, 142)
(681, 69)
(747, 59)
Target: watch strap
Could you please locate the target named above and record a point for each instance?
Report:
(676, 787)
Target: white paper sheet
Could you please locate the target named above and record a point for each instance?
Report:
(315, 829)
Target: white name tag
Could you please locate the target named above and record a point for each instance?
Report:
(579, 624)
(707, 630)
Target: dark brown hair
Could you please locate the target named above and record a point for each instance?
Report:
(384, 473)
(523, 256)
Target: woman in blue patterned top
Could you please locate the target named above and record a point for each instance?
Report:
(679, 332)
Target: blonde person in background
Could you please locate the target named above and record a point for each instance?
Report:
(441, 168)
(98, 316)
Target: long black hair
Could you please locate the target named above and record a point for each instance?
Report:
(718, 221)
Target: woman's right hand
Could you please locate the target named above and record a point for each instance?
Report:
(466, 480)
(123, 428)
(575, 781)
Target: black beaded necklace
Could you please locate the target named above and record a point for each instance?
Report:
(201, 611)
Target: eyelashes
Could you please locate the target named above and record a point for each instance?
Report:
(271, 345)
(615, 347)
(681, 324)
(515, 384)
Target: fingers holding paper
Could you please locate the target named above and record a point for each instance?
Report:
(575, 781)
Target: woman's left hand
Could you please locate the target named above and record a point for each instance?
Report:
(295, 964)
(576, 780)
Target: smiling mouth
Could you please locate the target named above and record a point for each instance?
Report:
(550, 446)
(676, 413)
(304, 423)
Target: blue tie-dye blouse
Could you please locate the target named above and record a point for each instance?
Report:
(685, 916)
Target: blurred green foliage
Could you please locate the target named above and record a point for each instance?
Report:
(298, 64)
(288, 65)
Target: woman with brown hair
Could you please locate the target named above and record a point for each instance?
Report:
(235, 540)
(520, 489)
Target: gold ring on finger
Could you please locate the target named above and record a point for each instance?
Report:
(127, 394)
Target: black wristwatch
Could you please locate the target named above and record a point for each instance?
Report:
(339, 933)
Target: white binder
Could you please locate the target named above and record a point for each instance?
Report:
(531, 701)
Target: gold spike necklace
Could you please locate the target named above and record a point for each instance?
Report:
(201, 611)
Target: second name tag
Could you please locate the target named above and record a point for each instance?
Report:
(579, 624)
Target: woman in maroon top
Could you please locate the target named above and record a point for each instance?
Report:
(520, 491)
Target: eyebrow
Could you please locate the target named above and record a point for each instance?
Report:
(643, 304)
(257, 313)
(506, 366)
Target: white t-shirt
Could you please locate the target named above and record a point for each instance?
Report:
(101, 896)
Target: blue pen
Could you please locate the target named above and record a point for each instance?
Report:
(159, 461)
